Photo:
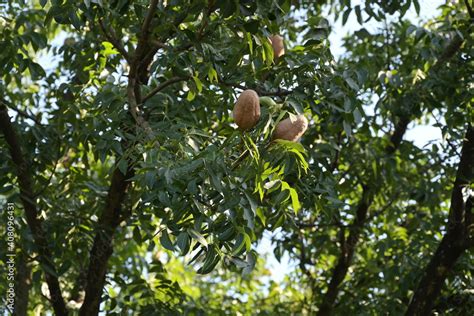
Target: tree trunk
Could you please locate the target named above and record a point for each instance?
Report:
(456, 239)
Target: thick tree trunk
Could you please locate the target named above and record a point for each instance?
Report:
(103, 248)
(23, 284)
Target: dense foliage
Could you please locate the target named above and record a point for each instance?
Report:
(134, 193)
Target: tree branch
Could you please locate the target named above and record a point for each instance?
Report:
(260, 92)
(133, 100)
(347, 252)
(138, 64)
(163, 86)
(103, 248)
(20, 112)
(453, 47)
(112, 38)
(23, 285)
(397, 136)
(146, 24)
(31, 212)
(469, 9)
(454, 242)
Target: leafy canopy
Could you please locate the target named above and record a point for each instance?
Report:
(144, 198)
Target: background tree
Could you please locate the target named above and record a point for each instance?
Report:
(134, 192)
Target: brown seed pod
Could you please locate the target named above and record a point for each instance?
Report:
(278, 46)
(291, 130)
(247, 110)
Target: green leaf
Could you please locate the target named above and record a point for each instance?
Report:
(166, 241)
(183, 242)
(212, 259)
(267, 52)
(347, 128)
(136, 235)
(352, 83)
(212, 75)
(198, 83)
(416, 3)
(345, 15)
(191, 95)
(239, 245)
(108, 49)
(295, 203)
(252, 202)
(227, 234)
(249, 217)
(195, 235)
(251, 261)
(249, 42)
(357, 116)
(215, 180)
(37, 72)
(261, 216)
(64, 267)
(267, 102)
(358, 14)
(123, 166)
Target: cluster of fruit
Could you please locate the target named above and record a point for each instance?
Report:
(247, 108)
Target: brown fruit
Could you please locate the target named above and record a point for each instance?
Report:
(247, 110)
(291, 130)
(278, 46)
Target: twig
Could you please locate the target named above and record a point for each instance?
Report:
(261, 92)
(157, 232)
(112, 37)
(21, 112)
(469, 9)
(303, 225)
(146, 24)
(143, 39)
(384, 208)
(157, 44)
(163, 86)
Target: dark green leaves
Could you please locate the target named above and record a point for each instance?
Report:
(183, 242)
(203, 192)
(166, 241)
(211, 260)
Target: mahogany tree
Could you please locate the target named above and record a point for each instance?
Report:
(134, 192)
